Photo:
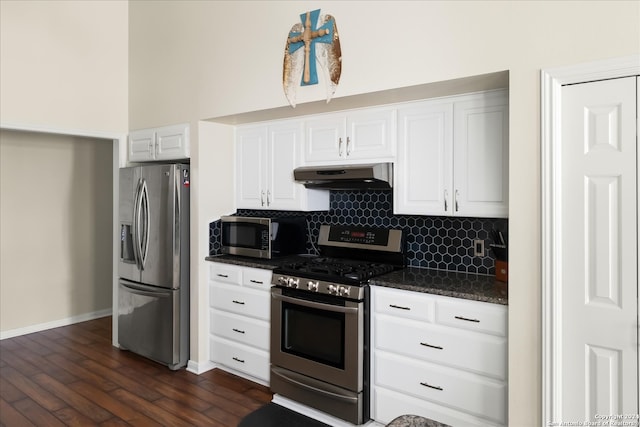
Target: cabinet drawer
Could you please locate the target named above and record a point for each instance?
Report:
(240, 357)
(470, 393)
(472, 315)
(388, 404)
(225, 273)
(478, 353)
(257, 278)
(410, 305)
(241, 329)
(246, 302)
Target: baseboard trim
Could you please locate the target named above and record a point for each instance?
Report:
(200, 368)
(55, 324)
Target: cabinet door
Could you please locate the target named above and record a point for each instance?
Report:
(142, 145)
(370, 135)
(423, 167)
(284, 156)
(481, 156)
(357, 135)
(325, 140)
(172, 142)
(251, 159)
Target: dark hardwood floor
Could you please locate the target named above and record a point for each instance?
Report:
(73, 376)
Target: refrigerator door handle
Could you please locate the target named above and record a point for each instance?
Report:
(144, 196)
(176, 222)
(145, 291)
(137, 202)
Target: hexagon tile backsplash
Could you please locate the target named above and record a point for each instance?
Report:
(443, 243)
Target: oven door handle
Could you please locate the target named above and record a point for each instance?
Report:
(318, 305)
(328, 393)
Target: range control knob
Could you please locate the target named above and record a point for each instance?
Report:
(344, 290)
(333, 289)
(293, 283)
(282, 280)
(313, 286)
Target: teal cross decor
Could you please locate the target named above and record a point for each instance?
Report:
(308, 38)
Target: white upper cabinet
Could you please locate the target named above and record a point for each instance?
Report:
(157, 144)
(481, 156)
(423, 169)
(453, 157)
(352, 136)
(266, 156)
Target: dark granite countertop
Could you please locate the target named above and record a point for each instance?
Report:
(437, 282)
(447, 283)
(267, 264)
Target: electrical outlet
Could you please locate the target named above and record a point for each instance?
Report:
(478, 248)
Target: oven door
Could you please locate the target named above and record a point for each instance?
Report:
(318, 336)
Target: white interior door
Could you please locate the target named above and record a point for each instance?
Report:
(598, 316)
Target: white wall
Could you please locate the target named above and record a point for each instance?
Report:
(63, 71)
(63, 65)
(56, 228)
(212, 182)
(198, 60)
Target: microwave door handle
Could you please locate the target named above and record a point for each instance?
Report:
(318, 305)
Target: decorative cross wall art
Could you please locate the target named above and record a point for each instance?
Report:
(307, 45)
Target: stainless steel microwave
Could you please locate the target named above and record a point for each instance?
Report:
(263, 237)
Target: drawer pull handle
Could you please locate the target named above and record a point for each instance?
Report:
(399, 307)
(259, 282)
(237, 330)
(435, 387)
(466, 319)
(238, 360)
(223, 275)
(238, 302)
(432, 346)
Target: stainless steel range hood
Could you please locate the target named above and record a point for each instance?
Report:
(347, 177)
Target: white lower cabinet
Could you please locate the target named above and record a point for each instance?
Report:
(239, 314)
(439, 357)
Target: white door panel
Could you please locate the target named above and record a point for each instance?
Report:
(599, 271)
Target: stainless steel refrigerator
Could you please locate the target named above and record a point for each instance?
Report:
(153, 293)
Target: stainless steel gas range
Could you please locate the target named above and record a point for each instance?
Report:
(320, 319)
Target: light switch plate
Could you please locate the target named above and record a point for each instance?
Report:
(478, 248)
